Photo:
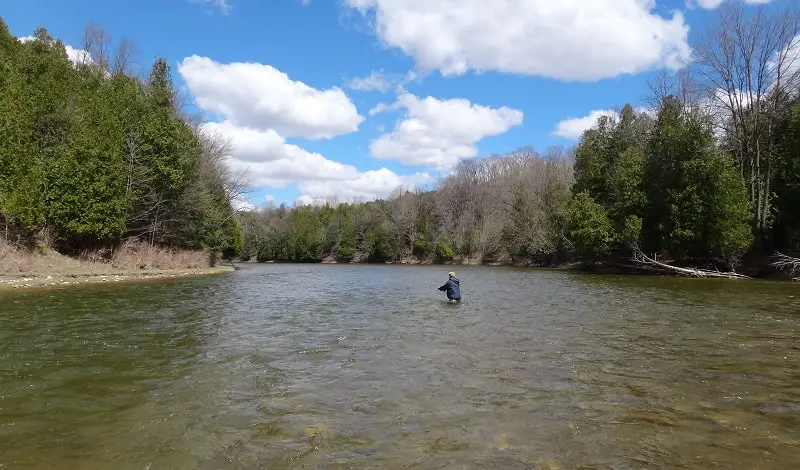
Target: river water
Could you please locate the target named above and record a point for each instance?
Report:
(326, 366)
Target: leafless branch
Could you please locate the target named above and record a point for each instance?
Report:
(787, 263)
(641, 258)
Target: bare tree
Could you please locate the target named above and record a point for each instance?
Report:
(404, 216)
(681, 85)
(742, 62)
(215, 166)
(97, 42)
(125, 55)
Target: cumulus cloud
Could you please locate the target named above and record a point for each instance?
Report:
(76, 56)
(364, 185)
(375, 81)
(787, 62)
(574, 127)
(262, 97)
(713, 4)
(437, 133)
(253, 145)
(569, 39)
(239, 203)
(269, 161)
(709, 4)
(260, 107)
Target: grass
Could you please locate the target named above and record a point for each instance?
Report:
(129, 258)
(133, 255)
(129, 262)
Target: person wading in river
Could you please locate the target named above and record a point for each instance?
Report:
(452, 287)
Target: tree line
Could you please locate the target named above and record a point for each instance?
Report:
(92, 155)
(706, 173)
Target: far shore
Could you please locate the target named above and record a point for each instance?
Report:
(47, 268)
(755, 269)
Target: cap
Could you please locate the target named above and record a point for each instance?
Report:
(451, 274)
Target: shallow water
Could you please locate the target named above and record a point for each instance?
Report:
(320, 366)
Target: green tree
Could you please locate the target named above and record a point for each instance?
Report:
(590, 230)
(609, 166)
(712, 210)
(787, 180)
(94, 156)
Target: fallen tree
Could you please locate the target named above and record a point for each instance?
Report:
(788, 264)
(645, 260)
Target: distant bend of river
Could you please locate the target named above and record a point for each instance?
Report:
(334, 367)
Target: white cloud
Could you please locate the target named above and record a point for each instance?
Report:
(573, 128)
(705, 4)
(76, 56)
(262, 97)
(239, 203)
(269, 161)
(375, 81)
(253, 145)
(790, 63)
(713, 4)
(363, 185)
(260, 107)
(566, 39)
(437, 133)
(379, 108)
(306, 200)
(378, 80)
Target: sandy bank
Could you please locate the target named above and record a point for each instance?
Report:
(46, 267)
(51, 280)
(40, 280)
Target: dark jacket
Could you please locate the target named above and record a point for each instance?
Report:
(452, 288)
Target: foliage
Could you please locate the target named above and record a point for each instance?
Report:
(655, 179)
(590, 228)
(787, 180)
(485, 209)
(93, 156)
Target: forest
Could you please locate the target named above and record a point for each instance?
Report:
(706, 174)
(95, 153)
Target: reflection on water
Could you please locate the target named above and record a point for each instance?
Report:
(310, 366)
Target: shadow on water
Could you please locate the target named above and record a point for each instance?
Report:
(315, 366)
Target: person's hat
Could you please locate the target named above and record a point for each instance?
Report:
(451, 274)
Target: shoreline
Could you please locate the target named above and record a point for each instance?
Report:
(618, 267)
(33, 281)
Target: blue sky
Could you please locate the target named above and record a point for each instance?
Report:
(350, 98)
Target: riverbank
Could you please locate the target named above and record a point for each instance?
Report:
(756, 266)
(43, 266)
(11, 282)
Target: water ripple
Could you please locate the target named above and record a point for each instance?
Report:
(311, 366)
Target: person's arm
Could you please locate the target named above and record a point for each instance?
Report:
(445, 286)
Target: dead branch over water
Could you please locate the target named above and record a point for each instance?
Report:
(788, 264)
(645, 260)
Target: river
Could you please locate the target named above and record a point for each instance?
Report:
(331, 366)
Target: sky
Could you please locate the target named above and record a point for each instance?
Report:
(350, 99)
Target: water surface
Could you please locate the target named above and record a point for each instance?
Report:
(319, 366)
